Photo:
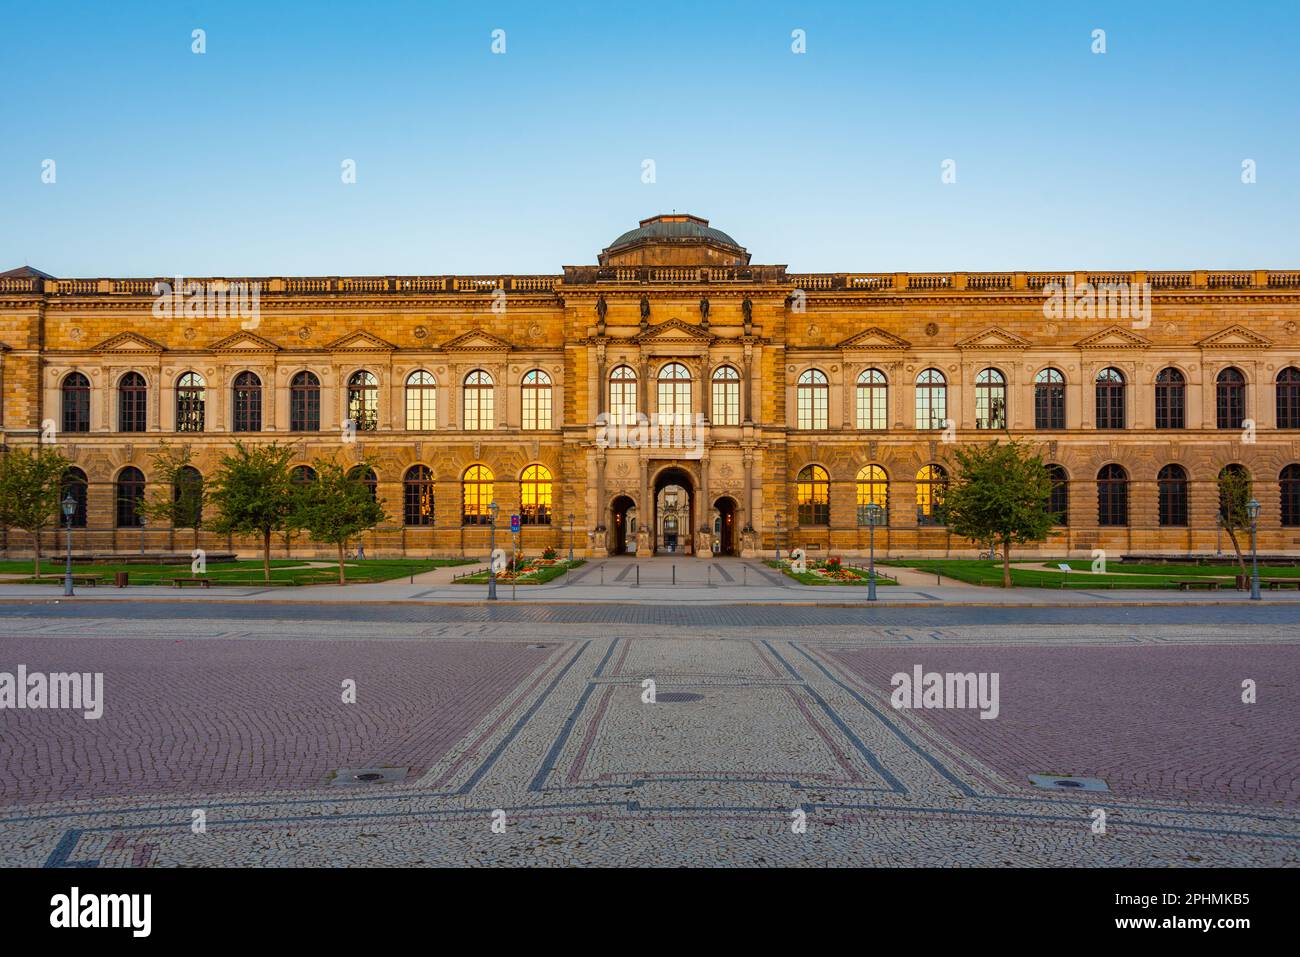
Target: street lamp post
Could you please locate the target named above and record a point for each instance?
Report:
(873, 519)
(1218, 534)
(570, 538)
(492, 548)
(69, 505)
(776, 536)
(1252, 509)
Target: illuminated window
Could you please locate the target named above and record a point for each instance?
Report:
(813, 489)
(931, 491)
(537, 400)
(476, 495)
(478, 401)
(535, 496)
(812, 400)
(873, 395)
(873, 489)
(421, 402)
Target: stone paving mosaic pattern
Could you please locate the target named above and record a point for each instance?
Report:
(559, 740)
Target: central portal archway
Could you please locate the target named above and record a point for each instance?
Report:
(622, 527)
(673, 529)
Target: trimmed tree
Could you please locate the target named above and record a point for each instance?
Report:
(31, 484)
(179, 492)
(1234, 495)
(336, 507)
(253, 494)
(1000, 493)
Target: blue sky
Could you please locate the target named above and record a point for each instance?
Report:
(228, 163)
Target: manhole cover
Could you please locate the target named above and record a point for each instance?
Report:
(362, 777)
(1065, 782)
(677, 697)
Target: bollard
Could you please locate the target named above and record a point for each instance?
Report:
(602, 574)
(674, 574)
(638, 576)
(745, 569)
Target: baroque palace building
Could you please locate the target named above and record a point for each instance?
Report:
(673, 396)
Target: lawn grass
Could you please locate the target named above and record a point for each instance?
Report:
(247, 572)
(539, 576)
(977, 572)
(809, 578)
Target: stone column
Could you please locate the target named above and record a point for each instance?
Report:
(704, 548)
(602, 388)
(746, 386)
(749, 489)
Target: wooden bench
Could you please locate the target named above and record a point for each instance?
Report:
(1276, 583)
(1209, 583)
(182, 582)
(86, 581)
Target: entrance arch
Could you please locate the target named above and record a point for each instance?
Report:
(622, 525)
(673, 528)
(724, 527)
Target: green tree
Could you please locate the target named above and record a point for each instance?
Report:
(337, 506)
(1000, 493)
(1234, 495)
(31, 484)
(253, 494)
(179, 492)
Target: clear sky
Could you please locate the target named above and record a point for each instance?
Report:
(229, 162)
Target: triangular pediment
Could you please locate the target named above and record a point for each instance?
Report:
(244, 342)
(994, 338)
(675, 330)
(1116, 337)
(876, 339)
(361, 341)
(129, 342)
(477, 341)
(1235, 337)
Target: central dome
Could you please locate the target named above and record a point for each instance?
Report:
(674, 239)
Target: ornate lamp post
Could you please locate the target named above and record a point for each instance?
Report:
(492, 548)
(874, 514)
(69, 506)
(1252, 510)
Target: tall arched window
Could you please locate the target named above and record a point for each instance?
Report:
(304, 402)
(74, 484)
(421, 402)
(535, 496)
(367, 477)
(191, 402)
(537, 400)
(1290, 485)
(1058, 499)
(873, 489)
(1171, 399)
(302, 475)
(1110, 399)
(248, 403)
(931, 399)
(130, 493)
(990, 400)
(76, 403)
(1112, 496)
(1229, 399)
(622, 396)
(1049, 399)
(1288, 398)
(132, 400)
(363, 401)
(812, 400)
(476, 496)
(1171, 485)
(726, 396)
(931, 493)
(479, 404)
(417, 496)
(813, 490)
(674, 395)
(873, 400)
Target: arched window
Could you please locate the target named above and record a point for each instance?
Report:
(479, 405)
(1058, 499)
(417, 496)
(726, 396)
(302, 475)
(76, 403)
(132, 400)
(1230, 399)
(814, 496)
(476, 496)
(622, 396)
(304, 402)
(1171, 399)
(1112, 496)
(990, 400)
(248, 403)
(537, 400)
(366, 476)
(74, 484)
(812, 400)
(873, 489)
(191, 402)
(421, 402)
(873, 400)
(1171, 485)
(1290, 483)
(674, 395)
(931, 399)
(1110, 399)
(931, 492)
(1049, 399)
(187, 495)
(363, 401)
(130, 493)
(1288, 398)
(535, 496)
